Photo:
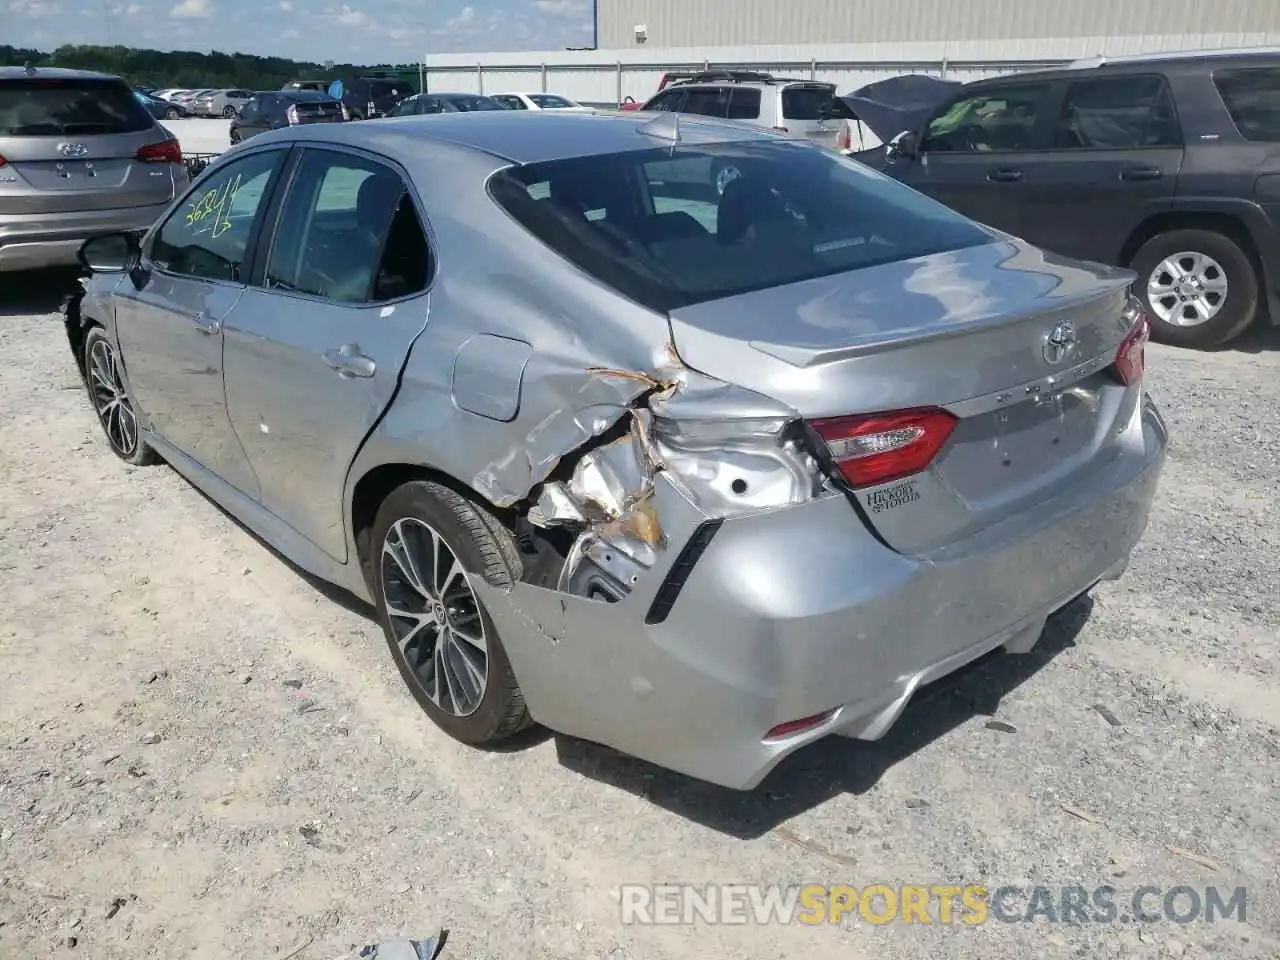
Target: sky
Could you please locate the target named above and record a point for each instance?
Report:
(354, 31)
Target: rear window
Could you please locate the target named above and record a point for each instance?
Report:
(744, 104)
(1252, 98)
(38, 107)
(673, 227)
(805, 103)
(549, 101)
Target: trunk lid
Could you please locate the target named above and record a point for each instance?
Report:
(801, 112)
(71, 145)
(968, 331)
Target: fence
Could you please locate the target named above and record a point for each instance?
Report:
(610, 84)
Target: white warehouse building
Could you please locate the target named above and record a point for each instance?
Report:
(851, 42)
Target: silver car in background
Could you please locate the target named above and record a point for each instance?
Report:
(220, 103)
(79, 155)
(702, 474)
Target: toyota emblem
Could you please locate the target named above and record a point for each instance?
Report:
(1059, 343)
(72, 149)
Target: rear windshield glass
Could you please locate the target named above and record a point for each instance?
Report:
(1253, 99)
(669, 228)
(804, 103)
(467, 104)
(53, 108)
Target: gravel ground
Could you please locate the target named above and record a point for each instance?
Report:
(204, 753)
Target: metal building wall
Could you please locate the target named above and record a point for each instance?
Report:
(733, 23)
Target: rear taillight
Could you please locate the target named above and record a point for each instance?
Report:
(3, 161)
(1131, 358)
(845, 140)
(292, 114)
(167, 151)
(871, 449)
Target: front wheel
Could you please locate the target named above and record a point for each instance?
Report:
(111, 402)
(172, 114)
(228, 112)
(1200, 288)
(429, 540)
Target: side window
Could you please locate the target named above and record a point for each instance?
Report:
(207, 236)
(1117, 113)
(430, 105)
(1252, 97)
(994, 121)
(670, 102)
(250, 110)
(708, 101)
(744, 104)
(405, 108)
(348, 231)
(511, 103)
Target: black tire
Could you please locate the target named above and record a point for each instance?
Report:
(1239, 308)
(172, 114)
(101, 379)
(235, 137)
(228, 112)
(482, 545)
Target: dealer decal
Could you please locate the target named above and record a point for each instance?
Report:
(893, 497)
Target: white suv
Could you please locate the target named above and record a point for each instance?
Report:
(762, 100)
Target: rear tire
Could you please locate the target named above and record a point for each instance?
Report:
(228, 112)
(433, 526)
(172, 114)
(235, 137)
(1205, 260)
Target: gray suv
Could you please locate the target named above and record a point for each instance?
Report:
(760, 99)
(79, 156)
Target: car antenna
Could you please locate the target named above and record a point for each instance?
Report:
(665, 126)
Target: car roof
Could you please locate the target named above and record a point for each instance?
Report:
(518, 136)
(1180, 61)
(54, 73)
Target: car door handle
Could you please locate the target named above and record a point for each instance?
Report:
(1004, 176)
(206, 324)
(1141, 173)
(349, 361)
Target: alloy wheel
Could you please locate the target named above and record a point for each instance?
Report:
(1187, 289)
(435, 616)
(110, 400)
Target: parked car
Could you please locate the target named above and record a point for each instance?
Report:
(667, 79)
(1166, 163)
(272, 110)
(168, 93)
(762, 100)
(188, 98)
(636, 479)
(365, 98)
(79, 155)
(538, 101)
(220, 103)
(161, 109)
(423, 103)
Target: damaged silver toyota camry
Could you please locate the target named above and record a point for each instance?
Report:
(669, 434)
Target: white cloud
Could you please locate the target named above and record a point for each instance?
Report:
(286, 6)
(290, 34)
(349, 17)
(193, 10)
(132, 10)
(561, 8)
(35, 9)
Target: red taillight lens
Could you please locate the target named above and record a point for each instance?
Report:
(3, 161)
(845, 141)
(1131, 358)
(792, 727)
(876, 448)
(167, 151)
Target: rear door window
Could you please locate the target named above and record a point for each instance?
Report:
(549, 101)
(37, 107)
(670, 102)
(744, 104)
(511, 102)
(1252, 97)
(806, 102)
(708, 101)
(1117, 113)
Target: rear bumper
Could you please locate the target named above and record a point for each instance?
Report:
(800, 611)
(53, 240)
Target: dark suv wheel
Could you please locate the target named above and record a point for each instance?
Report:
(1200, 288)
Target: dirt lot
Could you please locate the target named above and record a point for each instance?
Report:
(203, 753)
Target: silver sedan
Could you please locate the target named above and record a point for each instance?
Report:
(677, 436)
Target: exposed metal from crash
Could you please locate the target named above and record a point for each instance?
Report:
(728, 451)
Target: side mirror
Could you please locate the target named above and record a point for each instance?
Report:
(905, 145)
(109, 253)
